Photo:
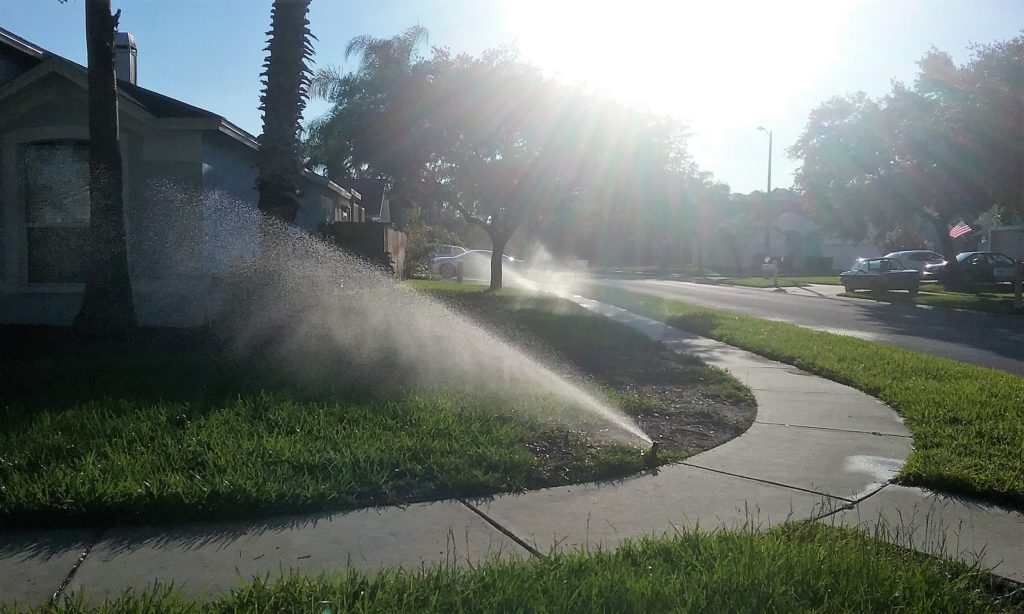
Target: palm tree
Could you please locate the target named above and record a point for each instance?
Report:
(286, 82)
(107, 306)
(375, 126)
(384, 55)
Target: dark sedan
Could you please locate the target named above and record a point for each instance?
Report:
(973, 268)
(880, 275)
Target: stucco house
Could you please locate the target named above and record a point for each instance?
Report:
(740, 242)
(189, 187)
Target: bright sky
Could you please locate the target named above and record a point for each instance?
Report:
(724, 66)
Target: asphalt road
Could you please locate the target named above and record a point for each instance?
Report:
(988, 340)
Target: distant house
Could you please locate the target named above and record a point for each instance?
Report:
(374, 198)
(189, 190)
(741, 241)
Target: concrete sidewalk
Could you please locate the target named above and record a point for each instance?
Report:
(818, 450)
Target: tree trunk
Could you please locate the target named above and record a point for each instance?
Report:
(107, 306)
(497, 249)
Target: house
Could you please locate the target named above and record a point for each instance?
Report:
(189, 187)
(374, 198)
(1008, 240)
(741, 240)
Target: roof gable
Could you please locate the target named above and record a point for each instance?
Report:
(26, 63)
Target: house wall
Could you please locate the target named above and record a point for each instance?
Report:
(52, 110)
(229, 202)
(845, 253)
(190, 208)
(1008, 240)
(158, 167)
(318, 206)
(740, 249)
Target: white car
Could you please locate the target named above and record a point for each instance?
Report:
(917, 259)
(475, 264)
(442, 250)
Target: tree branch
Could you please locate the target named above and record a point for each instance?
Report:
(472, 219)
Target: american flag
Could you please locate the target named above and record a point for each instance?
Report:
(959, 230)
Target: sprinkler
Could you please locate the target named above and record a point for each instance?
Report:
(650, 458)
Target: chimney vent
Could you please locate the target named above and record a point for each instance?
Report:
(126, 53)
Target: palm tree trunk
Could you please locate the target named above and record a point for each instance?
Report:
(286, 81)
(107, 306)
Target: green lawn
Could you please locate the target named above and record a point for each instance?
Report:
(787, 281)
(168, 426)
(967, 421)
(801, 568)
(993, 298)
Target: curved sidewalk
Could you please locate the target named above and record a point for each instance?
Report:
(818, 450)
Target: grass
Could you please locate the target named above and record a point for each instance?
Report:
(799, 568)
(167, 426)
(597, 344)
(121, 461)
(992, 298)
(788, 281)
(967, 421)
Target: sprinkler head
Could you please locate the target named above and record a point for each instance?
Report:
(650, 458)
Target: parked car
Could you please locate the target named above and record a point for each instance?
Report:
(917, 258)
(973, 268)
(880, 275)
(441, 250)
(475, 263)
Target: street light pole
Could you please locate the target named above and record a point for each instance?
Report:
(768, 196)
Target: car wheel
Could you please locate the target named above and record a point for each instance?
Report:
(448, 270)
(912, 291)
(848, 287)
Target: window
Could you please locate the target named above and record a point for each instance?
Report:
(55, 187)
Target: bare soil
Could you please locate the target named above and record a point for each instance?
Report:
(679, 401)
(682, 414)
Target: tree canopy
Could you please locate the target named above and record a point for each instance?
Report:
(495, 141)
(947, 148)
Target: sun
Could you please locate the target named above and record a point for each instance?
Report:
(707, 62)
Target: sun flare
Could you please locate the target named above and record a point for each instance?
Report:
(702, 61)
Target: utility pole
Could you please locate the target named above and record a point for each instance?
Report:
(768, 196)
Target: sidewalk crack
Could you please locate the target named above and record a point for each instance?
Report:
(831, 428)
(504, 530)
(851, 504)
(763, 481)
(74, 569)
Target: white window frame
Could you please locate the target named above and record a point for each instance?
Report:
(15, 222)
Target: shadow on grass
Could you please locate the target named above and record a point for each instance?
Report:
(48, 367)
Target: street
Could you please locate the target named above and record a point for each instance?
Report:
(987, 340)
